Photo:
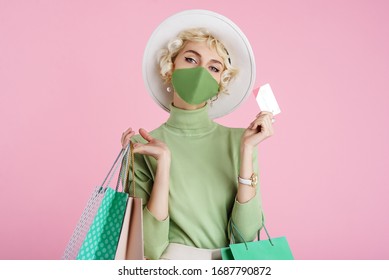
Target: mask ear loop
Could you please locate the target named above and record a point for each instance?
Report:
(214, 99)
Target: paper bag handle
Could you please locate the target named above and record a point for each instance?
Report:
(129, 154)
(233, 228)
(133, 167)
(114, 167)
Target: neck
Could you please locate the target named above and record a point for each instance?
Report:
(189, 122)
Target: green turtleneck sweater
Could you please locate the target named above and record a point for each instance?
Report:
(203, 184)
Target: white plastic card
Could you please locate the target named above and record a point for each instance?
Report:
(266, 100)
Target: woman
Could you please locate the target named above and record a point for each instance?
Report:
(194, 175)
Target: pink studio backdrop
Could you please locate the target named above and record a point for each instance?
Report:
(71, 83)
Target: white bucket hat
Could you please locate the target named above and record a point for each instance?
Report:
(236, 43)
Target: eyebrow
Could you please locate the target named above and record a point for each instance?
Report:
(199, 55)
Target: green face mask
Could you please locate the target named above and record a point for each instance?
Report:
(194, 85)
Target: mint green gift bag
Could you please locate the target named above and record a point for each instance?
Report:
(270, 249)
(102, 238)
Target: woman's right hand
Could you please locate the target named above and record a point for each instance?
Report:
(159, 197)
(155, 148)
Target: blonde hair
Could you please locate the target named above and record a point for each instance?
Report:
(167, 55)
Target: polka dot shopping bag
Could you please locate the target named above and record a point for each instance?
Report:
(97, 232)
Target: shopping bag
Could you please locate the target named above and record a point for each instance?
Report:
(102, 238)
(87, 216)
(130, 245)
(274, 249)
(270, 249)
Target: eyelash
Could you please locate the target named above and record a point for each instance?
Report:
(212, 68)
(190, 60)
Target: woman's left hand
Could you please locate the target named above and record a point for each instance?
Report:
(258, 130)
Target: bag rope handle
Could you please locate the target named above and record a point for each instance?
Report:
(233, 228)
(125, 153)
(133, 165)
(129, 156)
(112, 171)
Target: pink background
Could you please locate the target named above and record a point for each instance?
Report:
(71, 83)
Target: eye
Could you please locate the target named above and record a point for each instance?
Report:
(190, 60)
(214, 69)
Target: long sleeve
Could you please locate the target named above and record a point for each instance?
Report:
(155, 232)
(247, 217)
(202, 187)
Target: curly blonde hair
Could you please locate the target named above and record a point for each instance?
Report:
(167, 55)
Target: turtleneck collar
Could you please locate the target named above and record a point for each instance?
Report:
(190, 122)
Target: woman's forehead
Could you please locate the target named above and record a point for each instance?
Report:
(203, 49)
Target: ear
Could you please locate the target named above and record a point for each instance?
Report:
(168, 79)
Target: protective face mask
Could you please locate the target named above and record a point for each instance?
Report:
(194, 85)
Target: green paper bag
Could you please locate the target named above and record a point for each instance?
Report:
(88, 215)
(226, 254)
(272, 249)
(102, 238)
(101, 241)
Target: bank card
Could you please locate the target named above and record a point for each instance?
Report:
(267, 101)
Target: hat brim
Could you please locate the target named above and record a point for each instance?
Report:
(223, 29)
